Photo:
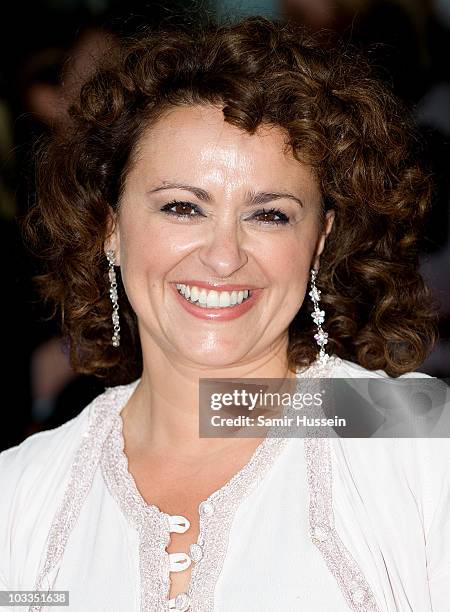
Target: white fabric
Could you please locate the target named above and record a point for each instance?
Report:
(391, 507)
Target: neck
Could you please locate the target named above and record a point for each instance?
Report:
(163, 412)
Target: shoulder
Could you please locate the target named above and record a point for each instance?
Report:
(336, 367)
(33, 472)
(37, 451)
(34, 475)
(43, 453)
(401, 466)
(343, 367)
(415, 454)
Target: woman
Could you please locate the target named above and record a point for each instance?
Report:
(206, 182)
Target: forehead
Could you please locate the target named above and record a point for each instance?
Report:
(196, 142)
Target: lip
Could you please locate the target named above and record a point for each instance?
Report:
(219, 286)
(217, 314)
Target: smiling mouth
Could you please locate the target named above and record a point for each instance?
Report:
(212, 298)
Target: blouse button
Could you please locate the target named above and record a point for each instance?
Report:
(179, 524)
(182, 601)
(321, 532)
(206, 508)
(196, 552)
(178, 562)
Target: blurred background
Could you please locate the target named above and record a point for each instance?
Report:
(49, 46)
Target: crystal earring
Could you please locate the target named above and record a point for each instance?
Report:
(318, 316)
(114, 298)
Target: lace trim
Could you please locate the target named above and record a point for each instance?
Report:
(322, 530)
(352, 582)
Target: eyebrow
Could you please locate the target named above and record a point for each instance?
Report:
(253, 198)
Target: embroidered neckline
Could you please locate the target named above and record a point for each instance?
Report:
(315, 368)
(152, 523)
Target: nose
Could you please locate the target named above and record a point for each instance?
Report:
(222, 251)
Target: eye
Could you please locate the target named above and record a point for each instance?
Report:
(269, 216)
(178, 208)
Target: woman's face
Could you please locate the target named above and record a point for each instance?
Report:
(228, 219)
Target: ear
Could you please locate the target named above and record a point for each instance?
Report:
(328, 224)
(112, 240)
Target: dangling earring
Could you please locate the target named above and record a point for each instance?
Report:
(114, 298)
(318, 316)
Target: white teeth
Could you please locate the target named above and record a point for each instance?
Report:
(224, 299)
(212, 301)
(194, 294)
(212, 298)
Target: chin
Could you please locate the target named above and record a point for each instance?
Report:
(213, 357)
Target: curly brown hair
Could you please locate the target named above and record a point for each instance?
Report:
(338, 118)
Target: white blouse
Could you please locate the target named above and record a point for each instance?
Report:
(308, 524)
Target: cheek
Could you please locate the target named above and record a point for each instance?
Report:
(149, 252)
(141, 259)
(286, 259)
(152, 239)
(286, 263)
(144, 247)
